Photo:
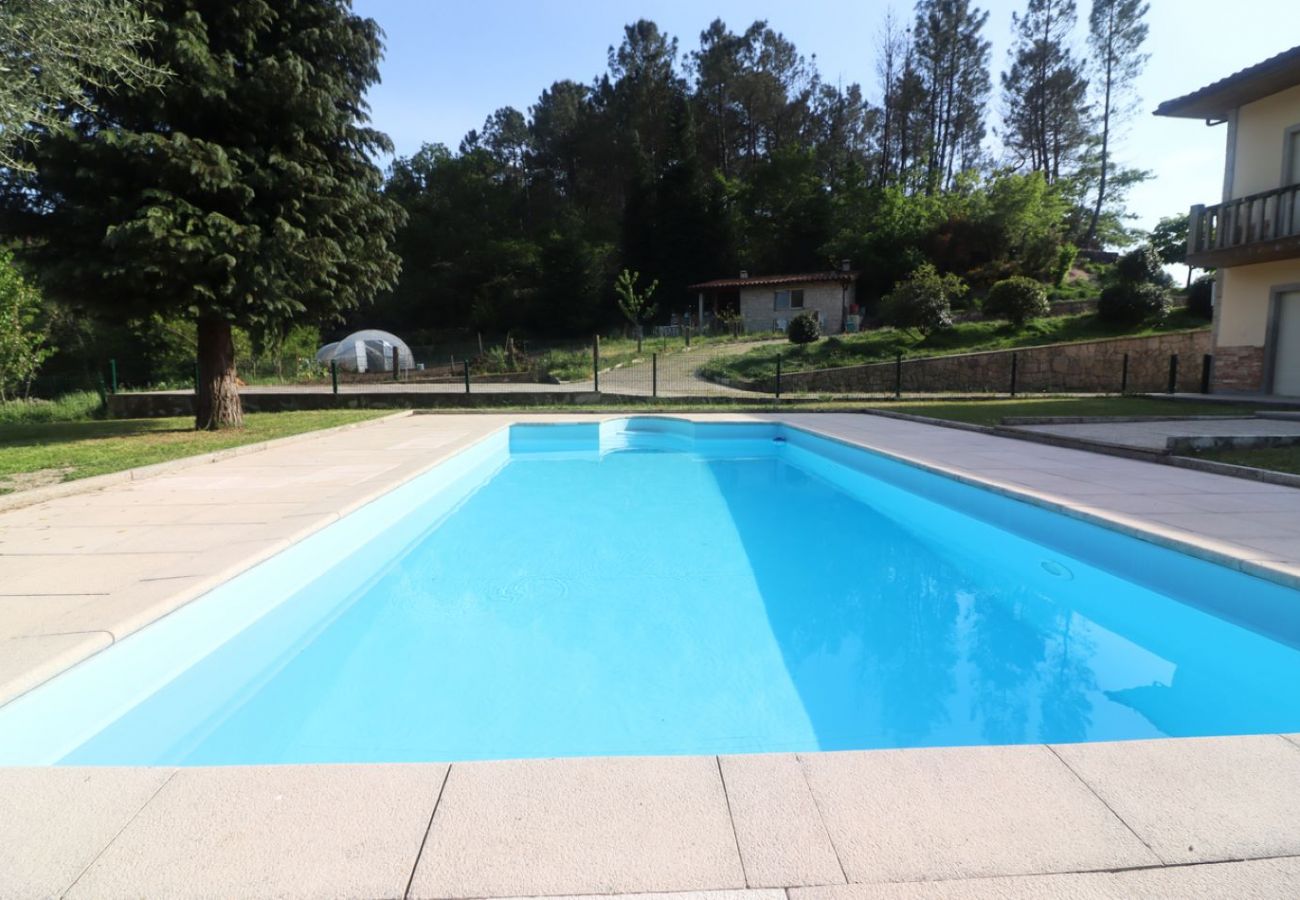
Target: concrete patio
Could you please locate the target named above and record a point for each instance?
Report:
(1177, 434)
(1173, 818)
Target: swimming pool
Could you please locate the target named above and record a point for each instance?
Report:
(654, 586)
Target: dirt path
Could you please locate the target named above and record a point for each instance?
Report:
(678, 373)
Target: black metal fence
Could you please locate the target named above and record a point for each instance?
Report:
(684, 367)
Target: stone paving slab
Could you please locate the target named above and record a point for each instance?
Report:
(272, 831)
(134, 551)
(1156, 435)
(907, 815)
(580, 826)
(1268, 879)
(782, 838)
(1200, 799)
(601, 826)
(55, 822)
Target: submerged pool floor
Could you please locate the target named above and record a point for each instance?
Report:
(657, 602)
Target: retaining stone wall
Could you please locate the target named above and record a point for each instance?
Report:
(1091, 366)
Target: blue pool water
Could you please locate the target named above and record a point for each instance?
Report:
(654, 587)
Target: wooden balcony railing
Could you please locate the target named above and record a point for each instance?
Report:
(1257, 228)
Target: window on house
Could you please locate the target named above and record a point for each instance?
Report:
(788, 300)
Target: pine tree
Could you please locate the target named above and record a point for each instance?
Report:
(1045, 91)
(1116, 31)
(953, 59)
(239, 193)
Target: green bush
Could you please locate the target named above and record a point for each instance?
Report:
(71, 407)
(803, 329)
(923, 302)
(1065, 258)
(1139, 292)
(1141, 266)
(1016, 299)
(22, 332)
(1132, 304)
(1200, 297)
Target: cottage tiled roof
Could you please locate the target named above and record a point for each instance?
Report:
(772, 280)
(1215, 101)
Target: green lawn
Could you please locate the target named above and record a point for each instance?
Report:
(33, 453)
(36, 453)
(884, 344)
(1279, 459)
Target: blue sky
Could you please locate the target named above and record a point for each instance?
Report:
(451, 63)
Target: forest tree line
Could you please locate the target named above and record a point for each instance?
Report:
(690, 164)
(210, 176)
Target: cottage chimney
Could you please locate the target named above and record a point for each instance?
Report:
(744, 273)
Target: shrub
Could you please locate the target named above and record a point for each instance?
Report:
(803, 329)
(923, 302)
(1017, 299)
(1141, 266)
(1065, 258)
(1132, 304)
(1200, 297)
(22, 335)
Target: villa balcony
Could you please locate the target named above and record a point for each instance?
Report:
(1254, 229)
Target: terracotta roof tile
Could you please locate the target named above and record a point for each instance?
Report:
(771, 280)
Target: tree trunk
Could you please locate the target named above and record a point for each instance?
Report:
(1091, 240)
(216, 400)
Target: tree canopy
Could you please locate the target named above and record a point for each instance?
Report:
(239, 192)
(54, 55)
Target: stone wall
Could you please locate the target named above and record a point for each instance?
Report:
(146, 405)
(1086, 367)
(1239, 369)
(759, 315)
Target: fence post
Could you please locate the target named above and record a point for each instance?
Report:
(595, 363)
(1123, 376)
(778, 376)
(898, 376)
(686, 330)
(112, 376)
(654, 375)
(1207, 368)
(467, 376)
(1173, 372)
(1015, 365)
(397, 365)
(334, 375)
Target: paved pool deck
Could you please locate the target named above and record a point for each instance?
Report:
(1155, 435)
(1174, 818)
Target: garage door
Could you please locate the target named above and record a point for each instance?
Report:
(1286, 352)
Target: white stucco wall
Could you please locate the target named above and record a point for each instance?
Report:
(1244, 309)
(1260, 136)
(758, 305)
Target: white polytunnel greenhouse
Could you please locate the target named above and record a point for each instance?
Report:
(367, 351)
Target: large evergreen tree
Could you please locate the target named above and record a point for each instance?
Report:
(241, 192)
(1116, 31)
(953, 58)
(53, 54)
(1046, 123)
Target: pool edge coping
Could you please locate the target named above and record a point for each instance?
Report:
(35, 496)
(1130, 527)
(772, 790)
(1173, 539)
